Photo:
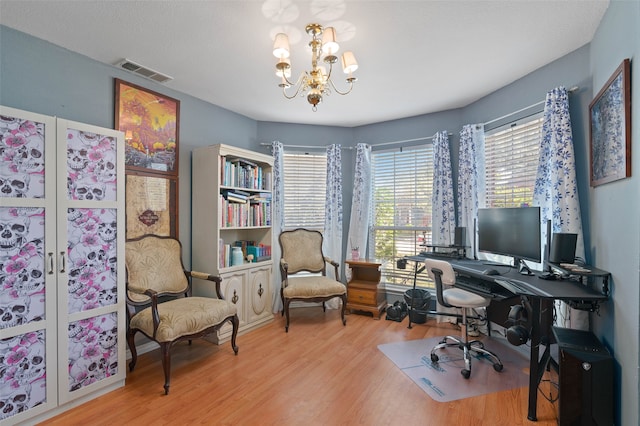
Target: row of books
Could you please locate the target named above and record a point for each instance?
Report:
(253, 212)
(242, 173)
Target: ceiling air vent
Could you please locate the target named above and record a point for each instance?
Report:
(143, 71)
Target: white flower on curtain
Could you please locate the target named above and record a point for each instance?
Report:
(277, 219)
(332, 242)
(361, 201)
(471, 176)
(443, 220)
(556, 190)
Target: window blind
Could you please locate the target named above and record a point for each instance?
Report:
(305, 182)
(402, 186)
(511, 158)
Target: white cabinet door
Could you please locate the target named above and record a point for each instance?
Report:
(62, 322)
(259, 294)
(28, 340)
(232, 288)
(90, 206)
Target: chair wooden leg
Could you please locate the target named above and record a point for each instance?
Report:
(344, 308)
(286, 314)
(235, 323)
(165, 348)
(132, 347)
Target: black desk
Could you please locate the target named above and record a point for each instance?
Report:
(541, 294)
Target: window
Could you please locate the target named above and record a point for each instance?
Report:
(511, 157)
(402, 186)
(305, 182)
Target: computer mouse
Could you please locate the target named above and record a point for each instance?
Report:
(490, 272)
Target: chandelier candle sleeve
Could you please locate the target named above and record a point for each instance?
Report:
(315, 83)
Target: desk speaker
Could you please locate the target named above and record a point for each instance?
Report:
(563, 248)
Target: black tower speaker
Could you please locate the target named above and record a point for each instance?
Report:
(563, 248)
(585, 379)
(460, 238)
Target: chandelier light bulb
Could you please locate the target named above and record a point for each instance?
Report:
(281, 46)
(349, 63)
(329, 44)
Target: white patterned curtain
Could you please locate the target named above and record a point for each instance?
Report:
(443, 208)
(443, 220)
(361, 201)
(556, 191)
(471, 177)
(277, 219)
(332, 243)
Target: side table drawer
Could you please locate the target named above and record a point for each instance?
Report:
(365, 297)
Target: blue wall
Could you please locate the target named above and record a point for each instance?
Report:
(38, 76)
(614, 208)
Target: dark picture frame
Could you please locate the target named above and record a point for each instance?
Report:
(151, 124)
(610, 128)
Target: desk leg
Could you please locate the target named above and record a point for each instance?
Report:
(534, 366)
(415, 280)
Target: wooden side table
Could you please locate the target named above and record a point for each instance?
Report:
(363, 290)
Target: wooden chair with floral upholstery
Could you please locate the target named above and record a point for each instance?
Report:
(302, 251)
(159, 301)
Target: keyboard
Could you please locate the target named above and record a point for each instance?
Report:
(482, 287)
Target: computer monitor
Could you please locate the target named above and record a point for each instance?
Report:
(510, 231)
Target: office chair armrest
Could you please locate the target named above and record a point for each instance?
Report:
(208, 277)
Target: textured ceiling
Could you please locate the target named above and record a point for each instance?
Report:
(415, 57)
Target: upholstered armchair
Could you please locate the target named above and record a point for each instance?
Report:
(159, 301)
(302, 251)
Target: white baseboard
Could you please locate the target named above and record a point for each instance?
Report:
(144, 348)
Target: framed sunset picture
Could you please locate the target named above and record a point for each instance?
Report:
(151, 124)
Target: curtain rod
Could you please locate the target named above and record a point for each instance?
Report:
(571, 90)
(424, 138)
(303, 146)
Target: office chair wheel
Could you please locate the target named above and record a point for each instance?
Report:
(498, 367)
(434, 358)
(465, 373)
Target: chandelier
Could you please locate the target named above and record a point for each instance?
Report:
(317, 82)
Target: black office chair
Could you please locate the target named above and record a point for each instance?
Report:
(442, 273)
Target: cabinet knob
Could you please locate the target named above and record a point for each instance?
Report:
(260, 290)
(234, 299)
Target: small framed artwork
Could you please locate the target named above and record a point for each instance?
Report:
(610, 128)
(151, 124)
(151, 206)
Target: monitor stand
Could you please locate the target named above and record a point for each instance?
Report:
(522, 267)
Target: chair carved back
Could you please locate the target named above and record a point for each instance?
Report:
(302, 249)
(155, 263)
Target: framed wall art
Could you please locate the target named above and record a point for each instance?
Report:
(151, 206)
(151, 123)
(610, 128)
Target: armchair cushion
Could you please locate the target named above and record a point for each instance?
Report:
(314, 286)
(183, 317)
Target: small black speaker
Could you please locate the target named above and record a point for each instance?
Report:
(563, 248)
(460, 236)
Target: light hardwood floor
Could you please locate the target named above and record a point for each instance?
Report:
(320, 373)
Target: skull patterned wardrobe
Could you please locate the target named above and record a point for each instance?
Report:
(62, 320)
